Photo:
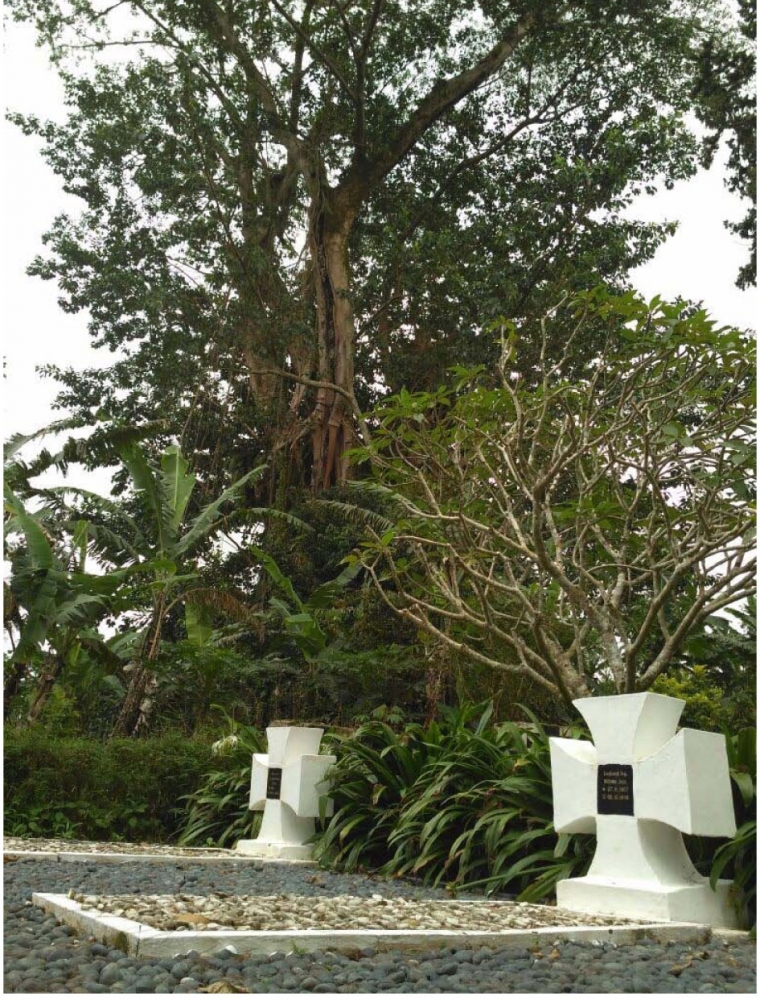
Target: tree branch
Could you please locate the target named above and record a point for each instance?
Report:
(445, 94)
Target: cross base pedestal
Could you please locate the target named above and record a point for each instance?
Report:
(694, 903)
(282, 834)
(285, 852)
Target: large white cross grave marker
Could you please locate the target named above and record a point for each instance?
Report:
(639, 787)
(287, 783)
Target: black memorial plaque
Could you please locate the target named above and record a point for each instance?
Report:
(614, 790)
(274, 782)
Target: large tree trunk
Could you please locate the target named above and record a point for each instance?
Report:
(332, 419)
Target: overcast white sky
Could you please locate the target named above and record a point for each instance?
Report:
(699, 263)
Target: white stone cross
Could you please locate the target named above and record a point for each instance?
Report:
(639, 787)
(287, 783)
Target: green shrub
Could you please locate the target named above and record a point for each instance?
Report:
(216, 813)
(88, 789)
(60, 717)
(375, 768)
(481, 816)
(738, 858)
(707, 705)
(457, 802)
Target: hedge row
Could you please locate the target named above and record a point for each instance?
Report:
(86, 789)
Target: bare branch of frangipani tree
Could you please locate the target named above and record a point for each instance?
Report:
(575, 530)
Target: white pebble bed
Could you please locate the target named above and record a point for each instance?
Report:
(292, 912)
(12, 845)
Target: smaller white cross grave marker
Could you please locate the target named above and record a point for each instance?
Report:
(639, 786)
(287, 783)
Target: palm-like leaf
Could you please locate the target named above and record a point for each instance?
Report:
(279, 578)
(146, 485)
(354, 514)
(39, 549)
(178, 485)
(40, 607)
(78, 609)
(324, 596)
(107, 508)
(209, 518)
(17, 441)
(197, 623)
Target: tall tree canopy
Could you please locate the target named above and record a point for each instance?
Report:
(726, 99)
(290, 202)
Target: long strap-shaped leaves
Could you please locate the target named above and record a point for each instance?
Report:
(105, 506)
(42, 607)
(177, 484)
(55, 597)
(209, 518)
(38, 546)
(145, 482)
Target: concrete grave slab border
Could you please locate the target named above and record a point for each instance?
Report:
(142, 940)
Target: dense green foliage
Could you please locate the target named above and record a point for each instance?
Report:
(717, 676)
(420, 166)
(707, 705)
(52, 604)
(738, 858)
(149, 547)
(216, 812)
(87, 789)
(543, 594)
(725, 91)
(456, 802)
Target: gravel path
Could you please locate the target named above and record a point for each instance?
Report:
(42, 956)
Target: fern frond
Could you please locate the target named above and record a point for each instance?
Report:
(355, 515)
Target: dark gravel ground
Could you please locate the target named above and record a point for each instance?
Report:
(42, 956)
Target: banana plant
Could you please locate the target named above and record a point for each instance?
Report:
(153, 554)
(162, 548)
(299, 617)
(56, 603)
